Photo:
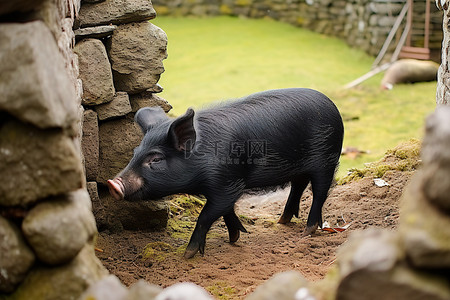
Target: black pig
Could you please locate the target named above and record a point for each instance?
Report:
(263, 140)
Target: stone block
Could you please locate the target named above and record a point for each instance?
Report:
(16, 256)
(117, 139)
(36, 163)
(118, 107)
(97, 32)
(95, 72)
(90, 144)
(115, 12)
(148, 99)
(135, 215)
(98, 209)
(59, 228)
(138, 70)
(34, 84)
(436, 159)
(424, 228)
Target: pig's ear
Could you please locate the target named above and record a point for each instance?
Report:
(182, 132)
(149, 116)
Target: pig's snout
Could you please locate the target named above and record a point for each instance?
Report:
(116, 188)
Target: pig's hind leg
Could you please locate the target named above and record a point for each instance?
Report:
(321, 184)
(293, 202)
(234, 226)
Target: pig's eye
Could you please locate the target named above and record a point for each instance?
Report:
(154, 159)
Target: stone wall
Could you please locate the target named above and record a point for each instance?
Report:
(364, 24)
(120, 55)
(46, 222)
(66, 126)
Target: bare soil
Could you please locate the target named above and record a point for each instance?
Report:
(231, 271)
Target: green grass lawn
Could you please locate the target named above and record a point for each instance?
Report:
(213, 59)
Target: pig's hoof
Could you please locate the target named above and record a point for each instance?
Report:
(192, 249)
(284, 219)
(234, 236)
(309, 230)
(190, 253)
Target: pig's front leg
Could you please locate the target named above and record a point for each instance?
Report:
(213, 210)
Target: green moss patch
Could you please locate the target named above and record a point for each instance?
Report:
(404, 157)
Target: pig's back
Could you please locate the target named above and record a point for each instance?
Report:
(301, 131)
(294, 118)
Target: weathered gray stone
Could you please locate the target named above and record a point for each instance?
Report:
(34, 83)
(136, 215)
(436, 158)
(59, 228)
(101, 216)
(424, 228)
(44, 162)
(95, 71)
(374, 250)
(109, 288)
(136, 71)
(145, 99)
(16, 257)
(143, 290)
(116, 12)
(372, 266)
(97, 32)
(65, 282)
(90, 144)
(119, 106)
(282, 286)
(117, 139)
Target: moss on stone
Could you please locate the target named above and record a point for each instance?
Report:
(404, 157)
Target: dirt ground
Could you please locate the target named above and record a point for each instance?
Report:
(232, 271)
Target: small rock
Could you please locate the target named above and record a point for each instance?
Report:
(148, 99)
(109, 288)
(184, 291)
(143, 290)
(282, 286)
